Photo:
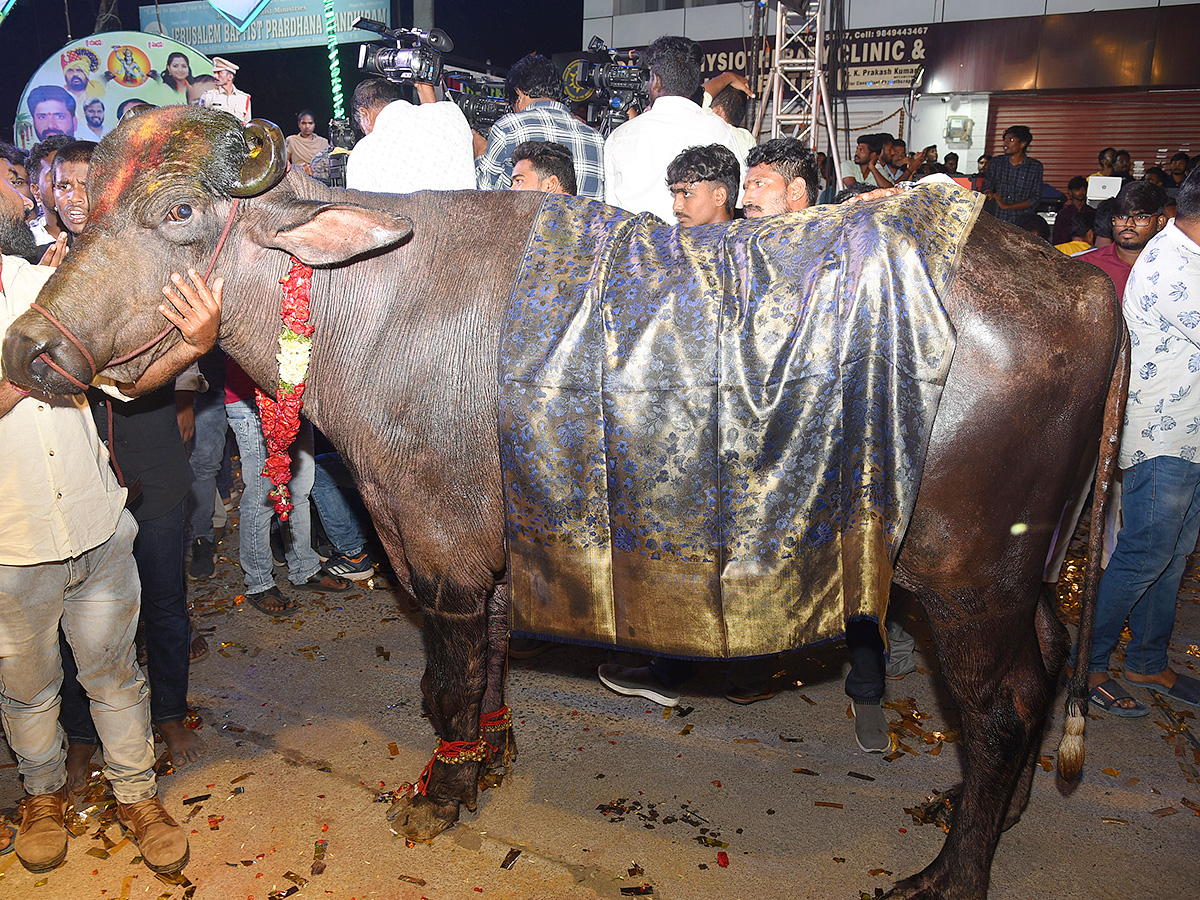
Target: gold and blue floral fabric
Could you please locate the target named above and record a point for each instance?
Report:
(712, 438)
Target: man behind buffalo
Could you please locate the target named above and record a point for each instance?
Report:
(408, 148)
(1160, 453)
(66, 559)
(704, 184)
(637, 154)
(543, 166)
(782, 178)
(535, 91)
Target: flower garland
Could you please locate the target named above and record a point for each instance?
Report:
(281, 416)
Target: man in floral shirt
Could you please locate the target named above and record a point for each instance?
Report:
(1160, 447)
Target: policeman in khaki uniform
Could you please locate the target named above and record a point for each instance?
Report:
(225, 96)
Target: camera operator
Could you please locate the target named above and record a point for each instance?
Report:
(535, 91)
(637, 154)
(408, 148)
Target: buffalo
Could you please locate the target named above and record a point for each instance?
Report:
(407, 301)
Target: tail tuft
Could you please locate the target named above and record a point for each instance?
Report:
(1070, 750)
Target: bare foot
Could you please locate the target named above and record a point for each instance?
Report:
(185, 745)
(79, 764)
(1165, 679)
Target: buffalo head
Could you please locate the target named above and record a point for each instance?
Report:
(162, 188)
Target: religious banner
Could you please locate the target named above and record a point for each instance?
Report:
(279, 25)
(83, 90)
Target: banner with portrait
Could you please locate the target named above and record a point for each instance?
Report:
(84, 89)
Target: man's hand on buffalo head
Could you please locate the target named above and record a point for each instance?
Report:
(195, 309)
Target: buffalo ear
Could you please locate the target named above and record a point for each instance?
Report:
(331, 233)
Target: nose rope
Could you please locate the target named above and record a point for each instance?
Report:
(66, 332)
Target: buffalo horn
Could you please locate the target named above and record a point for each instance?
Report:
(266, 162)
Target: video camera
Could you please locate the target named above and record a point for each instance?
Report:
(481, 99)
(417, 55)
(611, 89)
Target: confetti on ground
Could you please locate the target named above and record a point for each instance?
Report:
(723, 859)
(875, 873)
(642, 890)
(510, 859)
(829, 805)
(1165, 811)
(791, 740)
(687, 729)
(805, 772)
(319, 848)
(412, 879)
(1113, 772)
(861, 775)
(393, 749)
(1111, 821)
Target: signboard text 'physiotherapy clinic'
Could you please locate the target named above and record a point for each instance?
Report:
(282, 24)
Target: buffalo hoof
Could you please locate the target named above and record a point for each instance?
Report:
(416, 817)
(926, 886)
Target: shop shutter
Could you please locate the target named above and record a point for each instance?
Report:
(1070, 129)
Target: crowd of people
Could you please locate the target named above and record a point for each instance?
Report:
(69, 680)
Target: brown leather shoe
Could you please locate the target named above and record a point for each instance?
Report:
(160, 840)
(41, 841)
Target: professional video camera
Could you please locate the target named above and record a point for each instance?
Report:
(417, 55)
(611, 89)
(481, 99)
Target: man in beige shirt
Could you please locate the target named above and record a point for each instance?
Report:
(63, 522)
(225, 96)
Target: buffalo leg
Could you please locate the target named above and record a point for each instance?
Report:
(455, 635)
(1003, 691)
(501, 741)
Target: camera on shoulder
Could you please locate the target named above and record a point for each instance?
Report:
(415, 56)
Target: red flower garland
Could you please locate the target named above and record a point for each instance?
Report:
(281, 416)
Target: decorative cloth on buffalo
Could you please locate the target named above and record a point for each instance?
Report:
(712, 438)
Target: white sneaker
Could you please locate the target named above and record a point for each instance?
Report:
(636, 681)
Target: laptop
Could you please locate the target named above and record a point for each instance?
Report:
(1101, 187)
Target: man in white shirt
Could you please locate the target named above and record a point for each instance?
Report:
(66, 558)
(225, 96)
(1160, 460)
(408, 148)
(637, 154)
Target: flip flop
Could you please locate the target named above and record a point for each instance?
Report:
(1106, 694)
(256, 600)
(1186, 689)
(12, 838)
(194, 657)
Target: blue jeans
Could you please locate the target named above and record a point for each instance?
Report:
(158, 551)
(339, 513)
(256, 508)
(1160, 501)
(94, 597)
(208, 453)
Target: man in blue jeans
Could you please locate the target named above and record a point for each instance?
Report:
(342, 516)
(1159, 447)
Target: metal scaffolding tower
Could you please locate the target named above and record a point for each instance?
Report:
(796, 87)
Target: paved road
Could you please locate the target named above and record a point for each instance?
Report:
(314, 715)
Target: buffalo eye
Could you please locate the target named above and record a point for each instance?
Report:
(180, 213)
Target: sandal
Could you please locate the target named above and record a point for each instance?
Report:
(1185, 690)
(12, 838)
(195, 654)
(1106, 696)
(286, 604)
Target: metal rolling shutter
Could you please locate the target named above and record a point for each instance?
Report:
(1070, 129)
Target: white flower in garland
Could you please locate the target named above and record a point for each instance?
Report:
(294, 350)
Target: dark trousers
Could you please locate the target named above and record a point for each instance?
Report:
(864, 683)
(158, 552)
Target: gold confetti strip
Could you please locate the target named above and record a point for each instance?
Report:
(829, 805)
(875, 873)
(666, 712)
(393, 749)
(1130, 782)
(936, 750)
(687, 729)
(1110, 821)
(1113, 772)
(126, 884)
(241, 777)
(809, 700)
(1165, 811)
(805, 772)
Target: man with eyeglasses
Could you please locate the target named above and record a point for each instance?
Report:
(1138, 215)
(1014, 180)
(1160, 462)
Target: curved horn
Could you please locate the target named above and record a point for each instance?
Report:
(265, 164)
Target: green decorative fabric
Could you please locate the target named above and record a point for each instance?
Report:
(712, 438)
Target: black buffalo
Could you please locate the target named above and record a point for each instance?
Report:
(407, 300)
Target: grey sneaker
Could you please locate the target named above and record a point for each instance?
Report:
(899, 664)
(637, 681)
(871, 728)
